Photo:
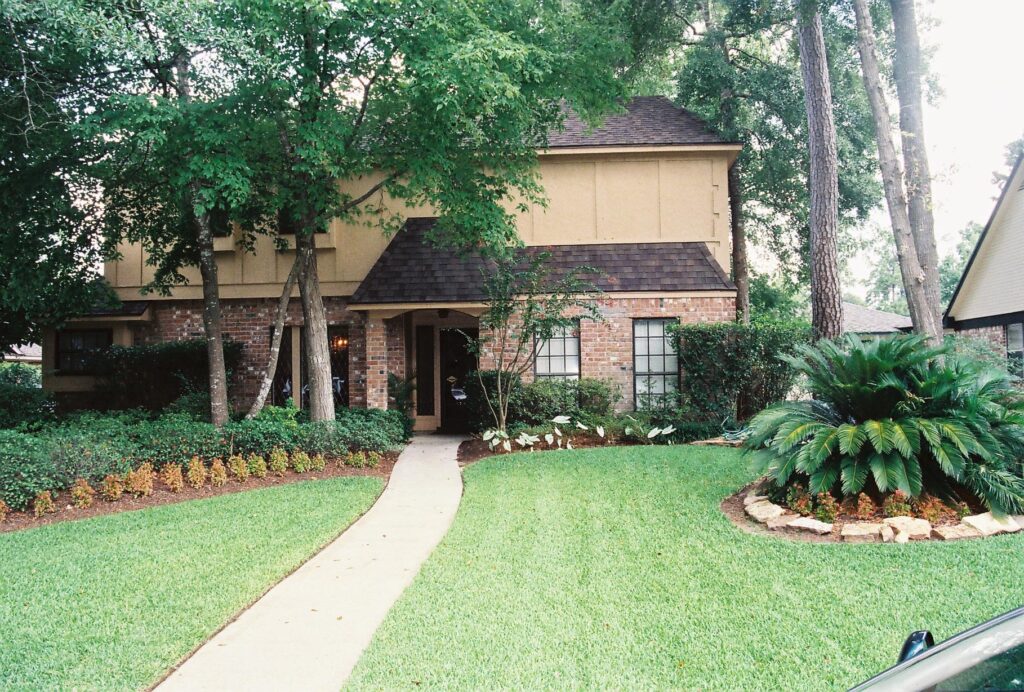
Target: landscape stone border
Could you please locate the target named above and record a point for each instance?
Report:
(888, 530)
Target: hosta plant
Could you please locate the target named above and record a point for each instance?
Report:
(896, 415)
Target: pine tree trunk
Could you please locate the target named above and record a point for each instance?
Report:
(212, 325)
(921, 313)
(740, 270)
(275, 342)
(826, 292)
(907, 75)
(318, 359)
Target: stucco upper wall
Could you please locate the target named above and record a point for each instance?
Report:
(666, 194)
(993, 284)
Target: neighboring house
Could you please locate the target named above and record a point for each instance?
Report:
(860, 319)
(643, 199)
(989, 300)
(30, 354)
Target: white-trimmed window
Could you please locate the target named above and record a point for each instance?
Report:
(655, 363)
(559, 356)
(1015, 347)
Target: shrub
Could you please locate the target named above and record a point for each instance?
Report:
(78, 450)
(43, 504)
(300, 461)
(733, 370)
(196, 473)
(538, 402)
(278, 461)
(140, 481)
(153, 376)
(192, 405)
(356, 460)
(25, 468)
(171, 477)
(897, 504)
(176, 438)
(25, 407)
(317, 462)
(239, 468)
(21, 375)
(374, 460)
(82, 494)
(371, 429)
(799, 500)
(826, 508)
(892, 414)
(273, 427)
(218, 474)
(4, 511)
(933, 509)
(257, 466)
(865, 507)
(112, 487)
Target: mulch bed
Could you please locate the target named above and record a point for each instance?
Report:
(17, 521)
(732, 507)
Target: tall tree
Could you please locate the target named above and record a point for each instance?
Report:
(907, 72)
(922, 313)
(740, 73)
(178, 155)
(440, 104)
(50, 243)
(826, 292)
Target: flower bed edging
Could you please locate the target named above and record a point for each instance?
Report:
(889, 530)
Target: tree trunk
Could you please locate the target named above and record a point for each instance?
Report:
(275, 343)
(921, 313)
(907, 75)
(318, 359)
(218, 382)
(826, 293)
(740, 270)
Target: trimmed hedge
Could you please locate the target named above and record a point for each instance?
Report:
(733, 370)
(537, 402)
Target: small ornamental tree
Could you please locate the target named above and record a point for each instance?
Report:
(525, 305)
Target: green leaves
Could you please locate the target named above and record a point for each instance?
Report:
(940, 427)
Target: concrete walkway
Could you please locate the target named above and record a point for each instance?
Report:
(307, 632)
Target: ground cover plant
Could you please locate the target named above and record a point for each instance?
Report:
(896, 415)
(616, 568)
(109, 448)
(113, 602)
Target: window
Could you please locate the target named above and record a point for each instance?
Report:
(1015, 347)
(655, 365)
(75, 348)
(559, 356)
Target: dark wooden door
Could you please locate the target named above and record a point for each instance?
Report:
(456, 364)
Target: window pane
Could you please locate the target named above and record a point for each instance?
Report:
(657, 346)
(572, 364)
(557, 347)
(641, 327)
(1014, 337)
(572, 346)
(657, 328)
(543, 366)
(642, 364)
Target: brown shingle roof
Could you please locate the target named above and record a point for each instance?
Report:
(412, 270)
(648, 121)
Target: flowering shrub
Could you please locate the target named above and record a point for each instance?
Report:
(82, 494)
(826, 509)
(865, 507)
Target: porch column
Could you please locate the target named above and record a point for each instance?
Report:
(376, 364)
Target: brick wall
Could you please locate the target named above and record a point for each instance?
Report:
(996, 335)
(249, 322)
(606, 347)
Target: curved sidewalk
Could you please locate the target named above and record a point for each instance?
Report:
(307, 632)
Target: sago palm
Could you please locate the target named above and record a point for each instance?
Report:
(892, 414)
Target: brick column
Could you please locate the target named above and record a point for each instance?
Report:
(376, 364)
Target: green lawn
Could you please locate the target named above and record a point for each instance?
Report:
(113, 602)
(615, 568)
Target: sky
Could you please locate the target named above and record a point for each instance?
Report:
(976, 55)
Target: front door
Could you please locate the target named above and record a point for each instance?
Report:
(456, 364)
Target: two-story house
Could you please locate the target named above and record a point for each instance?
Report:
(643, 199)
